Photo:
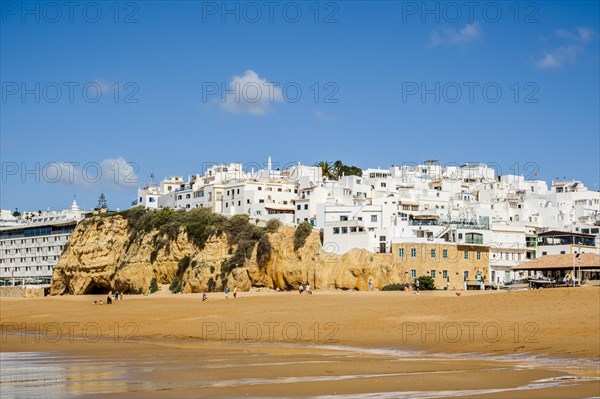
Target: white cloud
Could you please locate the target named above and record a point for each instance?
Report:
(250, 94)
(322, 116)
(569, 52)
(110, 173)
(452, 37)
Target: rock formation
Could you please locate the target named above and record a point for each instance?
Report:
(103, 255)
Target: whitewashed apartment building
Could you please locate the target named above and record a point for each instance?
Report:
(30, 248)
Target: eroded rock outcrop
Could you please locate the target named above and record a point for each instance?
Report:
(103, 255)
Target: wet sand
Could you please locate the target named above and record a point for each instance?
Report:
(543, 343)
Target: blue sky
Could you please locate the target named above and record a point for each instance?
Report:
(381, 84)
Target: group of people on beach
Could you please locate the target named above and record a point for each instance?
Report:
(109, 299)
(304, 289)
(227, 292)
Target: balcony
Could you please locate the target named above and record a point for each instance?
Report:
(474, 240)
(455, 223)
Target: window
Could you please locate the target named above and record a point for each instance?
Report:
(445, 273)
(474, 238)
(413, 252)
(299, 207)
(433, 253)
(466, 275)
(433, 274)
(259, 188)
(373, 218)
(261, 201)
(401, 252)
(478, 255)
(459, 236)
(247, 201)
(413, 273)
(238, 190)
(344, 230)
(466, 255)
(445, 253)
(343, 218)
(305, 206)
(336, 230)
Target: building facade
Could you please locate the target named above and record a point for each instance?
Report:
(29, 249)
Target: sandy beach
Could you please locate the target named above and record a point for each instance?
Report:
(542, 343)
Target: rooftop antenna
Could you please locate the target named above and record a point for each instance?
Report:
(150, 181)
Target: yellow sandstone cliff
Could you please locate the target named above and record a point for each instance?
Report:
(102, 257)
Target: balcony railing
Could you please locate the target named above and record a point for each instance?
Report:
(459, 224)
(477, 240)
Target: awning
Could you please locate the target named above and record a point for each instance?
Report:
(409, 202)
(561, 262)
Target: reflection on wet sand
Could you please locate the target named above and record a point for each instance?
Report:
(201, 369)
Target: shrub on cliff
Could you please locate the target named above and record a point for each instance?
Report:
(273, 225)
(175, 286)
(153, 285)
(263, 251)
(183, 264)
(301, 234)
(200, 224)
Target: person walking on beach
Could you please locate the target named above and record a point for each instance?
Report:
(226, 292)
(370, 285)
(301, 288)
(234, 292)
(417, 285)
(308, 289)
(204, 296)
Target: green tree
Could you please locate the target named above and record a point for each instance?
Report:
(337, 169)
(426, 283)
(326, 169)
(102, 202)
(153, 285)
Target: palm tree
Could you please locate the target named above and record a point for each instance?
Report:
(338, 168)
(326, 169)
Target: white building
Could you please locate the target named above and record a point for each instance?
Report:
(29, 249)
(466, 204)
